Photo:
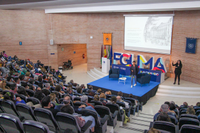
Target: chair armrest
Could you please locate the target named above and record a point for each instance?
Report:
(86, 126)
(104, 119)
(110, 71)
(151, 125)
(115, 114)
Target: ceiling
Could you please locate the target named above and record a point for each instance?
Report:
(70, 6)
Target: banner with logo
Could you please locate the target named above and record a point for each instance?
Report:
(191, 45)
(107, 38)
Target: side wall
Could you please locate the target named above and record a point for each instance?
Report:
(35, 28)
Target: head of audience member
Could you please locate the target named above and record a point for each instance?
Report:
(120, 93)
(71, 81)
(3, 85)
(66, 100)
(69, 90)
(164, 108)
(198, 104)
(131, 96)
(168, 103)
(113, 99)
(108, 93)
(185, 104)
(99, 91)
(90, 87)
(102, 95)
(190, 110)
(8, 96)
(39, 95)
(28, 74)
(46, 102)
(58, 88)
(96, 98)
(31, 81)
(47, 86)
(52, 97)
(163, 116)
(84, 98)
(40, 78)
(45, 92)
(21, 77)
(9, 79)
(153, 130)
(82, 86)
(172, 106)
(61, 84)
(79, 90)
(119, 99)
(91, 93)
(22, 90)
(17, 80)
(67, 109)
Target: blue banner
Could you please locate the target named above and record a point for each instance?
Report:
(191, 45)
(125, 70)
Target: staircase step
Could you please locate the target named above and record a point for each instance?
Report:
(91, 75)
(96, 74)
(178, 92)
(100, 72)
(179, 88)
(181, 96)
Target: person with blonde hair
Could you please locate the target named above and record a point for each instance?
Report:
(190, 110)
(96, 98)
(108, 93)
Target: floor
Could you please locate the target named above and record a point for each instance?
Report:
(79, 75)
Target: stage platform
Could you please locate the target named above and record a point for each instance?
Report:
(142, 93)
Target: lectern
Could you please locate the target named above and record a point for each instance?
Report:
(105, 65)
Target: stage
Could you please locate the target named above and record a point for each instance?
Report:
(142, 93)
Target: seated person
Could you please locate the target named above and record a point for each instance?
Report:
(46, 103)
(164, 117)
(103, 99)
(58, 89)
(72, 83)
(164, 108)
(81, 120)
(119, 99)
(96, 98)
(79, 90)
(84, 99)
(190, 110)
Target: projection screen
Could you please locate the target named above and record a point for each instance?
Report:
(148, 33)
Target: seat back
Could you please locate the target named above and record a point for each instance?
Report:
(25, 111)
(96, 102)
(190, 121)
(30, 92)
(197, 112)
(189, 116)
(114, 71)
(90, 98)
(190, 129)
(67, 121)
(112, 107)
(131, 99)
(10, 123)
(77, 99)
(121, 104)
(163, 125)
(31, 126)
(79, 104)
(102, 110)
(33, 100)
(45, 116)
(9, 107)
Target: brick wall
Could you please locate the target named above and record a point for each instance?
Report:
(35, 28)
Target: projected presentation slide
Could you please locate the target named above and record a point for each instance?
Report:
(148, 33)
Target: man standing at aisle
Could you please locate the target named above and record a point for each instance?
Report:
(134, 71)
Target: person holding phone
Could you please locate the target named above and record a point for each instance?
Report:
(178, 67)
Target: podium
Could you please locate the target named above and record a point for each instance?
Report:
(105, 65)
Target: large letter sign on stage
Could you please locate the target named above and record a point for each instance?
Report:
(126, 60)
(159, 65)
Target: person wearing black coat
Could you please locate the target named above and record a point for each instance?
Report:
(134, 71)
(178, 67)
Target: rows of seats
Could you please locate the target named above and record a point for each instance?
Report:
(25, 118)
(183, 119)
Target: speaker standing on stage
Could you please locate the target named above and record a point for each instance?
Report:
(134, 71)
(178, 67)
